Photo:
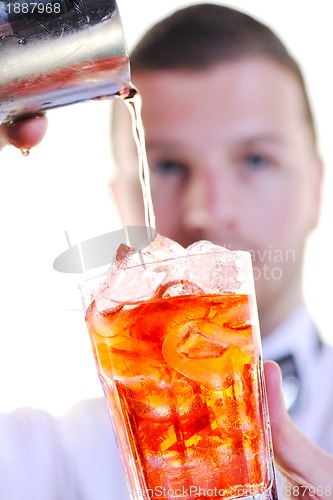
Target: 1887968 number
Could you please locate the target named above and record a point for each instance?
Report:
(308, 491)
(33, 8)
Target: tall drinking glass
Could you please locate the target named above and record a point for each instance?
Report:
(178, 353)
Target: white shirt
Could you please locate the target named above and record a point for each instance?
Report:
(70, 458)
(75, 457)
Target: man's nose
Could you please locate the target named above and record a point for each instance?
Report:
(210, 200)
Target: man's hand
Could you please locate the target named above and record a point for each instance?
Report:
(23, 134)
(307, 470)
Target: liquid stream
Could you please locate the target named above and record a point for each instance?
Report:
(134, 103)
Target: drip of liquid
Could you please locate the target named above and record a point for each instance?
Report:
(134, 104)
(25, 152)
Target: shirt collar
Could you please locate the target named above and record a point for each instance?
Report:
(297, 336)
(293, 345)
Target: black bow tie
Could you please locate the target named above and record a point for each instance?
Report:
(291, 383)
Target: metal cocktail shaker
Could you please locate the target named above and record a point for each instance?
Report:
(59, 52)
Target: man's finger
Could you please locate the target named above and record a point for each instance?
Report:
(24, 134)
(297, 458)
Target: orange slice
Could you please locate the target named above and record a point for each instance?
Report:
(204, 352)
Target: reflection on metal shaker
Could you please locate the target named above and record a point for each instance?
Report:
(59, 52)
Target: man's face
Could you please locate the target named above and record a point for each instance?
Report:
(232, 161)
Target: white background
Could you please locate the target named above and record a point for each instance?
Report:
(45, 357)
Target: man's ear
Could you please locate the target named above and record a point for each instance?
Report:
(318, 180)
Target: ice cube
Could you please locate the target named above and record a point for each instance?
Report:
(204, 246)
(155, 393)
(178, 288)
(183, 470)
(123, 256)
(129, 286)
(130, 279)
(217, 269)
(162, 248)
(126, 257)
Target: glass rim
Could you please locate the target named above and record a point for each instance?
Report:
(244, 253)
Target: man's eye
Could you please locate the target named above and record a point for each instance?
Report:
(256, 161)
(168, 167)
